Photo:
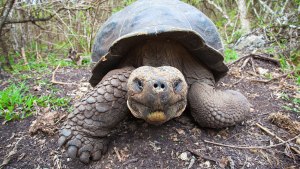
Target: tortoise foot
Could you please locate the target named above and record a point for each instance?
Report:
(81, 146)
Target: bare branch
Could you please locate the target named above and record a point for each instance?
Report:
(32, 19)
(5, 12)
(221, 11)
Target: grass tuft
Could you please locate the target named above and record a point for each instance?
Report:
(16, 102)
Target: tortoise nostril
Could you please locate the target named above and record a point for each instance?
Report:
(162, 86)
(155, 85)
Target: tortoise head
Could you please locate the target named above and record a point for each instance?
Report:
(156, 94)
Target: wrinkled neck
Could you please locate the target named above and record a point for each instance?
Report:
(161, 52)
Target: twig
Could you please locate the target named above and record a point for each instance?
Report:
(118, 154)
(223, 12)
(256, 56)
(277, 137)
(203, 156)
(245, 63)
(57, 82)
(24, 56)
(61, 118)
(134, 160)
(275, 78)
(269, 132)
(239, 59)
(251, 147)
(253, 65)
(235, 83)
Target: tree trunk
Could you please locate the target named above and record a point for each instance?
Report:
(4, 14)
(5, 54)
(245, 24)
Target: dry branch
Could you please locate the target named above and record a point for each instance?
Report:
(275, 78)
(256, 56)
(223, 12)
(277, 137)
(57, 82)
(252, 147)
(24, 56)
(5, 12)
(203, 156)
(245, 24)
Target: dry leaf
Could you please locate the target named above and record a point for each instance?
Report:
(223, 162)
(180, 131)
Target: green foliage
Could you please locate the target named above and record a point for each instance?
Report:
(39, 66)
(17, 103)
(293, 105)
(123, 4)
(192, 2)
(289, 61)
(230, 55)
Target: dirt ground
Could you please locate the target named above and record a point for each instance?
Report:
(179, 143)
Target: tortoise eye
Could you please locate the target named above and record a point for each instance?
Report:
(138, 85)
(177, 85)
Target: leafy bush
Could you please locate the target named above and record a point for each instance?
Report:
(230, 55)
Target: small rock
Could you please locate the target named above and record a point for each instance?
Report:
(251, 42)
(262, 71)
(206, 164)
(298, 141)
(183, 156)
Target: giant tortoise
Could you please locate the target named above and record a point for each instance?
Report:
(154, 59)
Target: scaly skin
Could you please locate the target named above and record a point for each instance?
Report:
(216, 109)
(85, 132)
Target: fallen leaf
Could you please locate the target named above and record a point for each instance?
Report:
(223, 162)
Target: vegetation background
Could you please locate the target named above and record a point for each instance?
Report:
(39, 35)
(45, 48)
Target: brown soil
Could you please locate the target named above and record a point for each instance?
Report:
(137, 144)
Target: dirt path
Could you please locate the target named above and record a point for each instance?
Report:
(174, 144)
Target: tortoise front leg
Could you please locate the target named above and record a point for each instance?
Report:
(85, 132)
(217, 109)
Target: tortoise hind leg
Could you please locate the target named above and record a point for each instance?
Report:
(85, 132)
(217, 109)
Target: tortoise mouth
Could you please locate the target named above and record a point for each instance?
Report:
(156, 116)
(158, 95)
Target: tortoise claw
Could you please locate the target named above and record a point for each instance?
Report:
(61, 141)
(72, 151)
(85, 157)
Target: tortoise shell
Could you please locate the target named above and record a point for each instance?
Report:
(170, 19)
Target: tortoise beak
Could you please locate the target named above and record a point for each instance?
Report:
(157, 117)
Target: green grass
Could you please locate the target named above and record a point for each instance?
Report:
(16, 102)
(293, 105)
(230, 55)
